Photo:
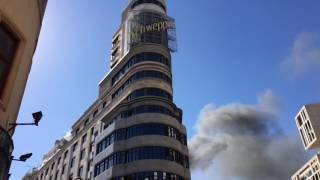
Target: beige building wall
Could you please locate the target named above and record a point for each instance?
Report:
(13, 13)
(22, 20)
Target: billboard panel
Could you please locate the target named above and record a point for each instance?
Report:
(147, 27)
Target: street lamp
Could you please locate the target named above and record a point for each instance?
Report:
(36, 118)
(22, 158)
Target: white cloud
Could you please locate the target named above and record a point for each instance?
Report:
(304, 56)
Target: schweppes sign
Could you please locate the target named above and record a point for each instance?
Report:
(163, 29)
(158, 26)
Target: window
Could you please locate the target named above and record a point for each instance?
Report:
(139, 58)
(8, 46)
(104, 104)
(95, 113)
(56, 176)
(89, 164)
(141, 129)
(80, 171)
(175, 113)
(156, 2)
(299, 120)
(82, 154)
(91, 147)
(52, 166)
(150, 175)
(149, 92)
(84, 138)
(74, 147)
(63, 169)
(146, 20)
(72, 162)
(71, 177)
(59, 159)
(142, 75)
(92, 130)
(141, 153)
(77, 131)
(149, 109)
(86, 122)
(105, 126)
(66, 154)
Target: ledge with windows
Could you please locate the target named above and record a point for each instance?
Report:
(156, 175)
(155, 92)
(143, 109)
(141, 153)
(140, 75)
(156, 2)
(141, 130)
(139, 58)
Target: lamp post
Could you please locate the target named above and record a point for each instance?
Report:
(22, 158)
(37, 116)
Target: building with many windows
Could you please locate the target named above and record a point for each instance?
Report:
(20, 24)
(310, 171)
(133, 130)
(308, 123)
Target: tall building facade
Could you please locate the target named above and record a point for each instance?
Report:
(18, 41)
(133, 130)
(308, 123)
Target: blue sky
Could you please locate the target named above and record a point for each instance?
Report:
(228, 51)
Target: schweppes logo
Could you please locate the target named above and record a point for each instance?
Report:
(155, 27)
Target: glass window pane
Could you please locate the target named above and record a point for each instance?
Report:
(7, 44)
(3, 71)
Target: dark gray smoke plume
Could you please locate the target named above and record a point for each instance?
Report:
(246, 142)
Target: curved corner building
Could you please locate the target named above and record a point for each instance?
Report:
(133, 131)
(144, 136)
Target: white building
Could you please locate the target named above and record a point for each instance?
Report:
(308, 122)
(310, 171)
